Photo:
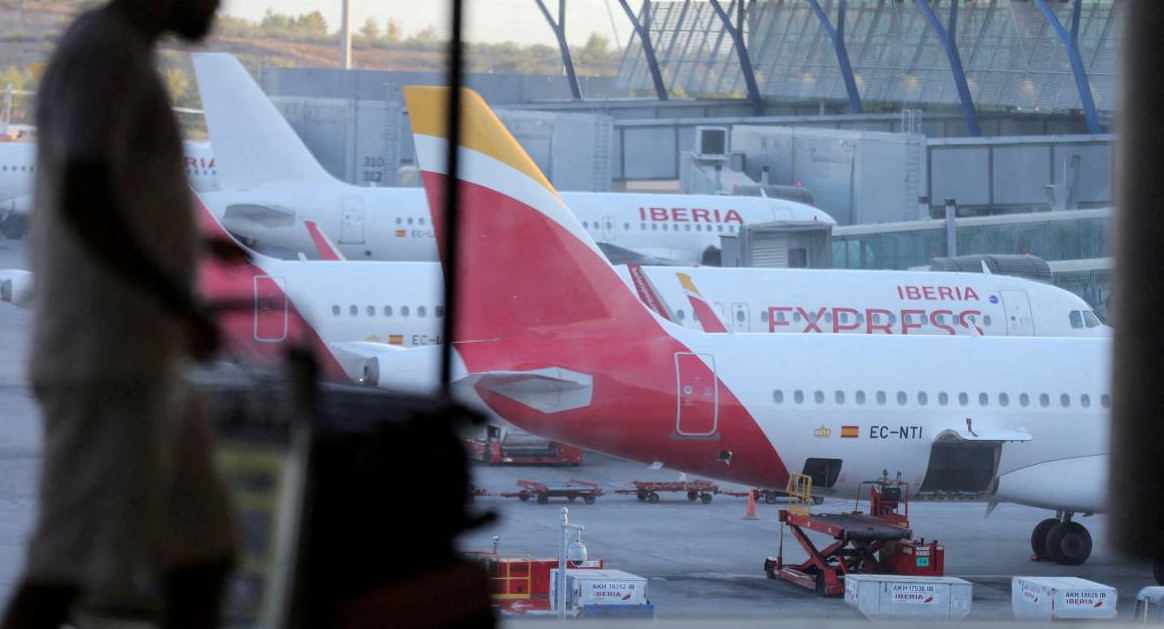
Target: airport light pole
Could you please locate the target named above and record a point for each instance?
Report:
(568, 551)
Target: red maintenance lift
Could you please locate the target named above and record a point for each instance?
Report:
(877, 542)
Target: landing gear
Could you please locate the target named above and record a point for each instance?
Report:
(1061, 540)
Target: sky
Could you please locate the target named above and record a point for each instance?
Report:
(487, 20)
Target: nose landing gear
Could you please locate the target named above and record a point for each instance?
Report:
(1061, 540)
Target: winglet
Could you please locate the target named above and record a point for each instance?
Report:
(327, 249)
(703, 311)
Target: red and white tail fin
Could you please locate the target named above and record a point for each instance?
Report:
(326, 248)
(525, 261)
(648, 293)
(703, 311)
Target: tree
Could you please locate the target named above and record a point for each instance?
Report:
(312, 24)
(596, 57)
(392, 34)
(178, 84)
(371, 30)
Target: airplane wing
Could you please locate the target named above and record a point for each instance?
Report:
(258, 215)
(622, 255)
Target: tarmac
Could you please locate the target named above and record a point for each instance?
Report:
(702, 561)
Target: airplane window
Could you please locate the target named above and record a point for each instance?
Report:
(983, 399)
(399, 220)
(214, 172)
(421, 311)
(404, 311)
(1076, 319)
(740, 316)
(943, 398)
(1024, 400)
(986, 320)
(1065, 400)
(1044, 400)
(409, 220)
(818, 397)
(654, 226)
(963, 399)
(902, 398)
(371, 311)
(828, 317)
(626, 227)
(688, 226)
(1085, 400)
(586, 224)
(335, 310)
(798, 396)
(387, 311)
(763, 316)
(778, 396)
(439, 311)
(840, 397)
(353, 310)
(420, 221)
(860, 318)
(941, 319)
(1091, 319)
(1003, 399)
(796, 316)
(881, 398)
(720, 227)
(860, 397)
(780, 316)
(922, 398)
(680, 315)
(892, 319)
(1105, 400)
(699, 228)
(643, 226)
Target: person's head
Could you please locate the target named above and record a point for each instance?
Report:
(188, 19)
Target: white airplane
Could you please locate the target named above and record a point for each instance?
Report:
(18, 171)
(269, 181)
(557, 345)
(820, 301)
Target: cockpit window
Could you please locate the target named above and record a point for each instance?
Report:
(1076, 319)
(1091, 320)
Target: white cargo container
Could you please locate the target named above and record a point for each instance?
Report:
(599, 587)
(884, 596)
(1048, 598)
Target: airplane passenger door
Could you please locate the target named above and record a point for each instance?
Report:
(1019, 319)
(608, 230)
(270, 309)
(351, 221)
(741, 322)
(697, 397)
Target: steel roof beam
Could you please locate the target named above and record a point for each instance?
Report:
(737, 34)
(559, 28)
(951, 46)
(1071, 44)
(837, 36)
(648, 49)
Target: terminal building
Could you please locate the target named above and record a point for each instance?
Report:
(880, 110)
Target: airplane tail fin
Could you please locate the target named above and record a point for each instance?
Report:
(648, 293)
(326, 248)
(710, 321)
(253, 143)
(525, 262)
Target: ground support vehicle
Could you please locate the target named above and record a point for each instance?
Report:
(878, 542)
(772, 496)
(520, 584)
(649, 491)
(542, 492)
(496, 445)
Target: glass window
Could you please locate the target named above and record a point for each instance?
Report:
(963, 399)
(943, 398)
(986, 320)
(371, 311)
(1091, 319)
(387, 311)
(1085, 400)
(778, 396)
(828, 317)
(421, 311)
(922, 398)
(1105, 400)
(818, 397)
(860, 397)
(764, 316)
(1076, 319)
(840, 397)
(404, 311)
(983, 399)
(798, 396)
(335, 310)
(409, 220)
(353, 310)
(1065, 400)
(1003, 399)
(1044, 400)
(1024, 400)
(881, 398)
(902, 398)
(440, 311)
(741, 316)
(680, 315)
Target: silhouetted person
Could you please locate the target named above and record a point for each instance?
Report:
(127, 486)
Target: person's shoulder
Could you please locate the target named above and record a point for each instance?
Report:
(97, 37)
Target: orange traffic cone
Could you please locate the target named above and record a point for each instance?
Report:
(751, 505)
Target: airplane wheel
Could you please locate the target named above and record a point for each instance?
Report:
(1158, 570)
(1069, 544)
(653, 498)
(705, 498)
(1039, 537)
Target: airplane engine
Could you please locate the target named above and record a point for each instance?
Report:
(14, 216)
(413, 370)
(16, 288)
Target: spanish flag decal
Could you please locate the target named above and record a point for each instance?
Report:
(396, 339)
(850, 432)
(400, 233)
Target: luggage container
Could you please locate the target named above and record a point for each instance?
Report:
(1052, 598)
(885, 596)
(599, 587)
